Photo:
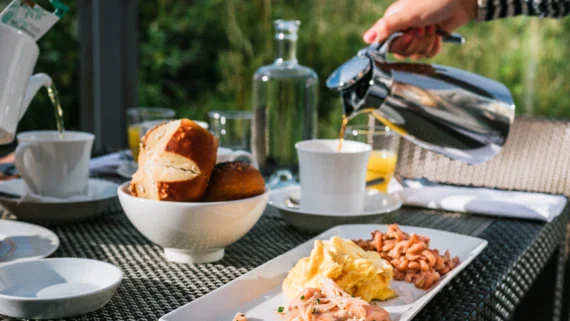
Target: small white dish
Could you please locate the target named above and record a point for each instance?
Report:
(192, 232)
(258, 293)
(376, 203)
(61, 287)
(26, 241)
(54, 210)
(127, 169)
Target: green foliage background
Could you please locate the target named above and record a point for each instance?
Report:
(196, 56)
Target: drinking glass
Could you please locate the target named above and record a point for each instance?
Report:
(384, 155)
(232, 128)
(136, 117)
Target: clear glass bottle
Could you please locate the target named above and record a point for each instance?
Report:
(285, 96)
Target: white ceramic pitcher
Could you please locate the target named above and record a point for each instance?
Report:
(18, 56)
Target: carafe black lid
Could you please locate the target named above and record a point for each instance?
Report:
(350, 72)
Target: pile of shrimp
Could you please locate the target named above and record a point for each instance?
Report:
(411, 257)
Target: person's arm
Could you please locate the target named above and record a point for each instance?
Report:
(420, 18)
(496, 9)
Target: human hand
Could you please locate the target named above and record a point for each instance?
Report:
(419, 20)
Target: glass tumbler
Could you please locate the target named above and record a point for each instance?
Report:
(232, 128)
(136, 119)
(384, 155)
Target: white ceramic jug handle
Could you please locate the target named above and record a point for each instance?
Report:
(242, 153)
(20, 164)
(36, 82)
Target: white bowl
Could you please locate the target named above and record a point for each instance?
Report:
(56, 288)
(192, 232)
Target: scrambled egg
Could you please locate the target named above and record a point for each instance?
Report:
(359, 273)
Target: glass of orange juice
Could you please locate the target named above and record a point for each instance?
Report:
(135, 119)
(384, 155)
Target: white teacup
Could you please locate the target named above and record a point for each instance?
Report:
(332, 181)
(228, 155)
(54, 166)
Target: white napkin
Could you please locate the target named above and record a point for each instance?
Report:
(108, 164)
(525, 205)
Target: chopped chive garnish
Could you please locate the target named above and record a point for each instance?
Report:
(318, 301)
(314, 310)
(280, 309)
(302, 297)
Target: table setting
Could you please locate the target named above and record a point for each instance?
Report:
(253, 210)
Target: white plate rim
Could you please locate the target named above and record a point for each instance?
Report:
(104, 289)
(103, 197)
(43, 255)
(290, 189)
(411, 313)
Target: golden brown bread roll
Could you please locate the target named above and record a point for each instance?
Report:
(234, 181)
(176, 160)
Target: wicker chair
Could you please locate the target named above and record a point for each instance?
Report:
(535, 158)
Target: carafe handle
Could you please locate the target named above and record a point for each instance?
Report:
(20, 163)
(382, 48)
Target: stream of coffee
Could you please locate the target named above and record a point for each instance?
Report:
(342, 130)
(54, 97)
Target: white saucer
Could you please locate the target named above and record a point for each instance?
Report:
(101, 192)
(61, 287)
(376, 204)
(128, 169)
(24, 241)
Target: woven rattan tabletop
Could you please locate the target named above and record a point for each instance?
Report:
(488, 289)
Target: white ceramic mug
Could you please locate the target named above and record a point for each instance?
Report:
(18, 55)
(228, 155)
(54, 166)
(332, 181)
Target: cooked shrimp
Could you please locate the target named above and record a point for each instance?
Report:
(331, 303)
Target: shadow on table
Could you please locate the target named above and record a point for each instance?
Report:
(144, 299)
(267, 239)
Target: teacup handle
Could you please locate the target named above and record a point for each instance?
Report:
(242, 153)
(20, 164)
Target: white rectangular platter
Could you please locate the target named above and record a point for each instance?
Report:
(258, 293)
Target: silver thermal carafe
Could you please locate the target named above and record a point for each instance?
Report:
(450, 111)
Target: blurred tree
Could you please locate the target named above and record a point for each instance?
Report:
(196, 56)
(234, 38)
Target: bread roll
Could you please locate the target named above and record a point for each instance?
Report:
(233, 181)
(176, 160)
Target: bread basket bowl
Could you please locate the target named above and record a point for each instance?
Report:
(192, 232)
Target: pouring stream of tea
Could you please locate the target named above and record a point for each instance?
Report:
(342, 130)
(378, 116)
(54, 97)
